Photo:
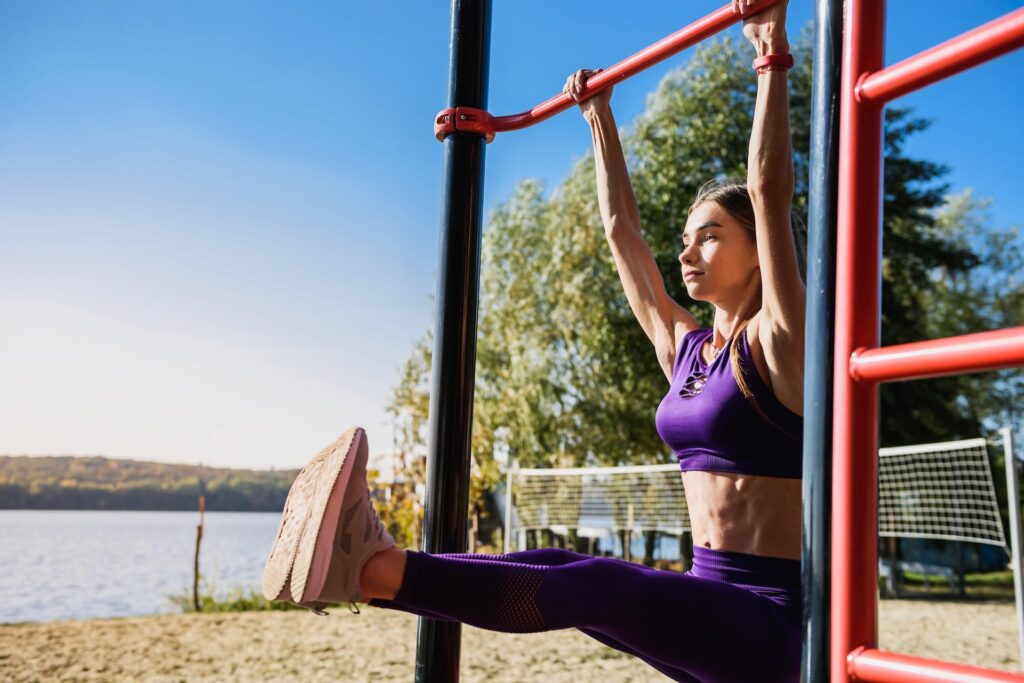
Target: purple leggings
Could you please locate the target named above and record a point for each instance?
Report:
(733, 618)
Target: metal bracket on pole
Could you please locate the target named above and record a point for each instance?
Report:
(466, 119)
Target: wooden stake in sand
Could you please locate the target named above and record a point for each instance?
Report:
(195, 562)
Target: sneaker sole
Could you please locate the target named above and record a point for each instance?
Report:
(307, 523)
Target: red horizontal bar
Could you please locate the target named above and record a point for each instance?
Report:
(872, 664)
(937, 357)
(986, 42)
(716, 22)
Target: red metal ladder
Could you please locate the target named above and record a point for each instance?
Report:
(860, 364)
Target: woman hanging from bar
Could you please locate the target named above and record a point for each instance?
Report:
(731, 415)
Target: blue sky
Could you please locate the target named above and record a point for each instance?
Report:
(219, 220)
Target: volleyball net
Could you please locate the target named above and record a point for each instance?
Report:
(940, 490)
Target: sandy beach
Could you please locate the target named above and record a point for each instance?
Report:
(379, 645)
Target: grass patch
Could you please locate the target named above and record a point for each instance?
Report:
(980, 586)
(238, 599)
(1002, 578)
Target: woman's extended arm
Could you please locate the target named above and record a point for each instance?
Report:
(770, 183)
(662, 319)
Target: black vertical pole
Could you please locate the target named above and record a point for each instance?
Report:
(454, 359)
(821, 261)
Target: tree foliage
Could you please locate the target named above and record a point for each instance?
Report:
(99, 483)
(985, 291)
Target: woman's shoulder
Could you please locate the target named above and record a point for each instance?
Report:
(687, 340)
(766, 341)
(687, 334)
(765, 350)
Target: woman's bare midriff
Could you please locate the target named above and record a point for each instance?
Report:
(745, 513)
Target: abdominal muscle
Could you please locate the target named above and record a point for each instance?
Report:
(744, 513)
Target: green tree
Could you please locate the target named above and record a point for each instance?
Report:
(987, 295)
(914, 246)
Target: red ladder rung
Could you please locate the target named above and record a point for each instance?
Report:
(982, 44)
(978, 352)
(879, 666)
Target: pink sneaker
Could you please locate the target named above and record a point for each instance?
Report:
(329, 529)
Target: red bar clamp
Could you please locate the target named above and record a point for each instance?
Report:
(465, 119)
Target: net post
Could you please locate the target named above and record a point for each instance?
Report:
(1013, 500)
(455, 327)
(507, 541)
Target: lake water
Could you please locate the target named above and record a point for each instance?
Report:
(84, 564)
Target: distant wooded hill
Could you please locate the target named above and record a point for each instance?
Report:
(98, 483)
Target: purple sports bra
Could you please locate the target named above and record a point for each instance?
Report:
(712, 427)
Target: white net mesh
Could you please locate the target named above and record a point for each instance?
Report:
(642, 498)
(941, 490)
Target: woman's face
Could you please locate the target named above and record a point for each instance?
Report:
(719, 257)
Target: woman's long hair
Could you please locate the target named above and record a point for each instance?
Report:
(733, 198)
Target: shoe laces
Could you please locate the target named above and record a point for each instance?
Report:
(317, 608)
